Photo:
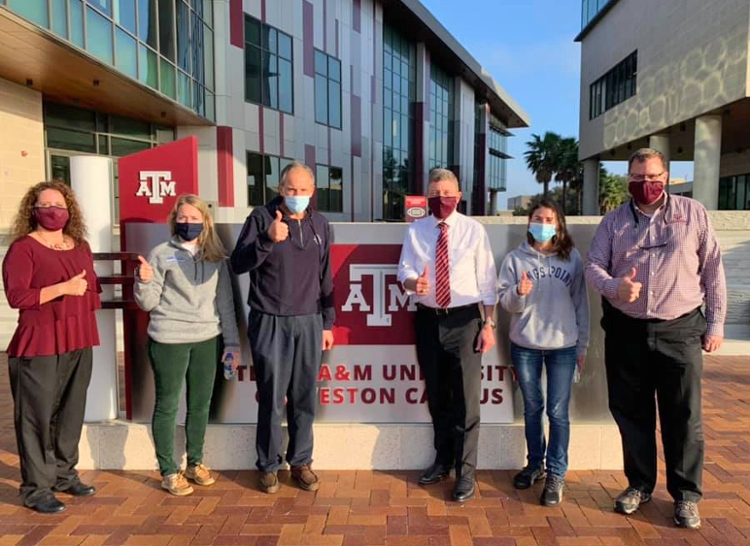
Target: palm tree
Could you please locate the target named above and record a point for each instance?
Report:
(613, 191)
(567, 167)
(540, 157)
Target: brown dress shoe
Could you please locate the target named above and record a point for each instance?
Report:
(305, 477)
(269, 482)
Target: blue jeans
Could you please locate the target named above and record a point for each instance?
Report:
(561, 364)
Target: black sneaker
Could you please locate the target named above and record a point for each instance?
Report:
(686, 514)
(553, 491)
(528, 477)
(630, 499)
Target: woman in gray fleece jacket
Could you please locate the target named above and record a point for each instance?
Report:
(186, 288)
(542, 286)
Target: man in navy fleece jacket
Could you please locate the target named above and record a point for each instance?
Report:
(285, 247)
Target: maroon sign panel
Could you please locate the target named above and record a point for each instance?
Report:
(416, 207)
(372, 308)
(150, 181)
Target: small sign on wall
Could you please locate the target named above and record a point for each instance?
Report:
(416, 207)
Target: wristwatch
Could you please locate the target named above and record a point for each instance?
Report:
(489, 322)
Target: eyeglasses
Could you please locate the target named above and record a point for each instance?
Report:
(645, 177)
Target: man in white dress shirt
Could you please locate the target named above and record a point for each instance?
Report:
(447, 263)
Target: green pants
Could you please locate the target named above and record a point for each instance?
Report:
(174, 363)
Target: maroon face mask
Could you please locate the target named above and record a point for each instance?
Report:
(646, 193)
(442, 207)
(52, 218)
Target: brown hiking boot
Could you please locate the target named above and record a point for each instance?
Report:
(305, 477)
(268, 482)
(177, 485)
(200, 475)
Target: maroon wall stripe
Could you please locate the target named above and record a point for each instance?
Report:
(310, 156)
(329, 147)
(356, 125)
(281, 134)
(236, 23)
(337, 39)
(308, 34)
(225, 157)
(263, 10)
(372, 110)
(357, 15)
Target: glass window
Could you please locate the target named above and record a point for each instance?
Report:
(125, 14)
(60, 18)
(99, 36)
(255, 180)
(210, 105)
(196, 47)
(147, 22)
(103, 145)
(65, 139)
(167, 78)
(322, 177)
(166, 29)
(615, 87)
(33, 10)
(208, 13)
(127, 53)
(183, 36)
(105, 6)
(440, 152)
(208, 56)
(122, 146)
(327, 90)
(76, 23)
(58, 115)
(336, 190)
(272, 171)
(131, 127)
(183, 88)
(148, 67)
(268, 66)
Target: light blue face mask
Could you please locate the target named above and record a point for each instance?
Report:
(542, 232)
(297, 203)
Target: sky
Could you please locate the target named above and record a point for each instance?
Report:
(527, 46)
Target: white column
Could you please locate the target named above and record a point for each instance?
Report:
(661, 143)
(707, 161)
(591, 187)
(91, 179)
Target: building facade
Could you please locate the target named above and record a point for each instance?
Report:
(671, 75)
(370, 93)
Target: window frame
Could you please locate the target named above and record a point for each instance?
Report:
(324, 204)
(269, 57)
(615, 87)
(328, 82)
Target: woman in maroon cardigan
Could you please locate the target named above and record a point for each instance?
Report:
(49, 277)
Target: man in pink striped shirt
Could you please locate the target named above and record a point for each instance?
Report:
(656, 262)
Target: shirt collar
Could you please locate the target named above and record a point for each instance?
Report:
(663, 208)
(450, 220)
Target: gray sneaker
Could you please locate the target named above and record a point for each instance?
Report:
(630, 499)
(686, 515)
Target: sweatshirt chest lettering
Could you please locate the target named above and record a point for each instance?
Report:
(551, 272)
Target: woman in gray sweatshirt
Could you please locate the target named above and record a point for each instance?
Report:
(186, 288)
(542, 286)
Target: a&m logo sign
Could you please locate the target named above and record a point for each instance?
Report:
(156, 185)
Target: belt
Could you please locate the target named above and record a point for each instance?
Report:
(447, 310)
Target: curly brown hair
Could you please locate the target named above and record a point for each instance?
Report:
(25, 222)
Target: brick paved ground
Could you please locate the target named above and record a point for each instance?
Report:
(389, 508)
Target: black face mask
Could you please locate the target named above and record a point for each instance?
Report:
(187, 231)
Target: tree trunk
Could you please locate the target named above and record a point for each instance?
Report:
(546, 187)
(565, 197)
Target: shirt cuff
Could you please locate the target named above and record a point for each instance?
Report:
(715, 329)
(609, 289)
(403, 281)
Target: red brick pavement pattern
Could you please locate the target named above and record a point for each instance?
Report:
(360, 508)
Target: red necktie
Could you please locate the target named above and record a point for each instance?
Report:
(442, 268)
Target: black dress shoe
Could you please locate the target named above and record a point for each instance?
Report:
(465, 489)
(553, 491)
(48, 505)
(528, 477)
(437, 472)
(78, 489)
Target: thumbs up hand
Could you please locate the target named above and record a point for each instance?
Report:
(145, 272)
(629, 290)
(76, 286)
(422, 286)
(278, 231)
(525, 285)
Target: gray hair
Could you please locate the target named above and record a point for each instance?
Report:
(644, 154)
(438, 175)
(293, 166)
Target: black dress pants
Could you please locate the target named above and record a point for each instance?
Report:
(662, 358)
(452, 371)
(286, 357)
(49, 395)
